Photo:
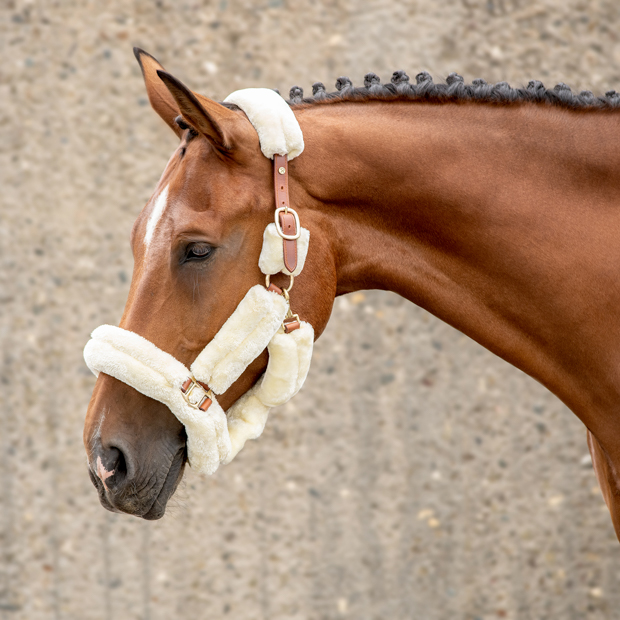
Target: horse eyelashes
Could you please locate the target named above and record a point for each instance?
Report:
(198, 251)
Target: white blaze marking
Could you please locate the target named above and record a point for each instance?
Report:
(102, 472)
(156, 213)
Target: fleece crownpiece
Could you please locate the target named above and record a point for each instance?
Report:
(277, 128)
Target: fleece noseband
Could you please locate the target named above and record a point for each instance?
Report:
(263, 319)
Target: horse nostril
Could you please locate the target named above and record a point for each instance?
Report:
(111, 467)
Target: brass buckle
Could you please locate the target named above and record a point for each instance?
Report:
(297, 224)
(195, 395)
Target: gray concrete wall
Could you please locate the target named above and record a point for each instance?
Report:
(416, 476)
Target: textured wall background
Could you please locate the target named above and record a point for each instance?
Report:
(417, 476)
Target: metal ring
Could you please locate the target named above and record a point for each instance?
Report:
(285, 291)
(290, 284)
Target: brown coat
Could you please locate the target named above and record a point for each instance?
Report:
(502, 220)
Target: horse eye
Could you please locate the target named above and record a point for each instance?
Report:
(198, 251)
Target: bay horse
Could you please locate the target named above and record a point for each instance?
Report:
(496, 209)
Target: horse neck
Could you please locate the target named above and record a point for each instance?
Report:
(477, 213)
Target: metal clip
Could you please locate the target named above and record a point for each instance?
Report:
(291, 321)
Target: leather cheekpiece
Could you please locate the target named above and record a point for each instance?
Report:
(287, 220)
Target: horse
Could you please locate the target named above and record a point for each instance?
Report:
(494, 208)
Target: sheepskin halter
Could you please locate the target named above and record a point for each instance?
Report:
(262, 320)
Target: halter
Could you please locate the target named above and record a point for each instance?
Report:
(263, 319)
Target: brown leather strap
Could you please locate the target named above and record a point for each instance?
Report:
(289, 227)
(205, 404)
(287, 220)
(189, 381)
(280, 180)
(290, 325)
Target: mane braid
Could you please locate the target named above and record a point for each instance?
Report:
(453, 90)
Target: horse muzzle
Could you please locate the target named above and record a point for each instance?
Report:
(125, 488)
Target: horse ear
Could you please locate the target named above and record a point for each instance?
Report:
(212, 120)
(161, 100)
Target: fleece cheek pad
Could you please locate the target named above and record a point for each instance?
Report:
(243, 337)
(271, 258)
(288, 366)
(289, 362)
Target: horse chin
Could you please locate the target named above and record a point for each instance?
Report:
(151, 507)
(175, 473)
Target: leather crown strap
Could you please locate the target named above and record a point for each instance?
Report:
(287, 220)
(288, 227)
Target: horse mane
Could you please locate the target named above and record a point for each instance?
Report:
(453, 90)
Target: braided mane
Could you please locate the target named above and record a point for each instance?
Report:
(453, 90)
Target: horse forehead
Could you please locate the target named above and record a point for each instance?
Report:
(170, 211)
(191, 189)
(161, 214)
(169, 198)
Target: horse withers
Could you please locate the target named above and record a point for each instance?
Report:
(493, 208)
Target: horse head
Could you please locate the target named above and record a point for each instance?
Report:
(196, 247)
